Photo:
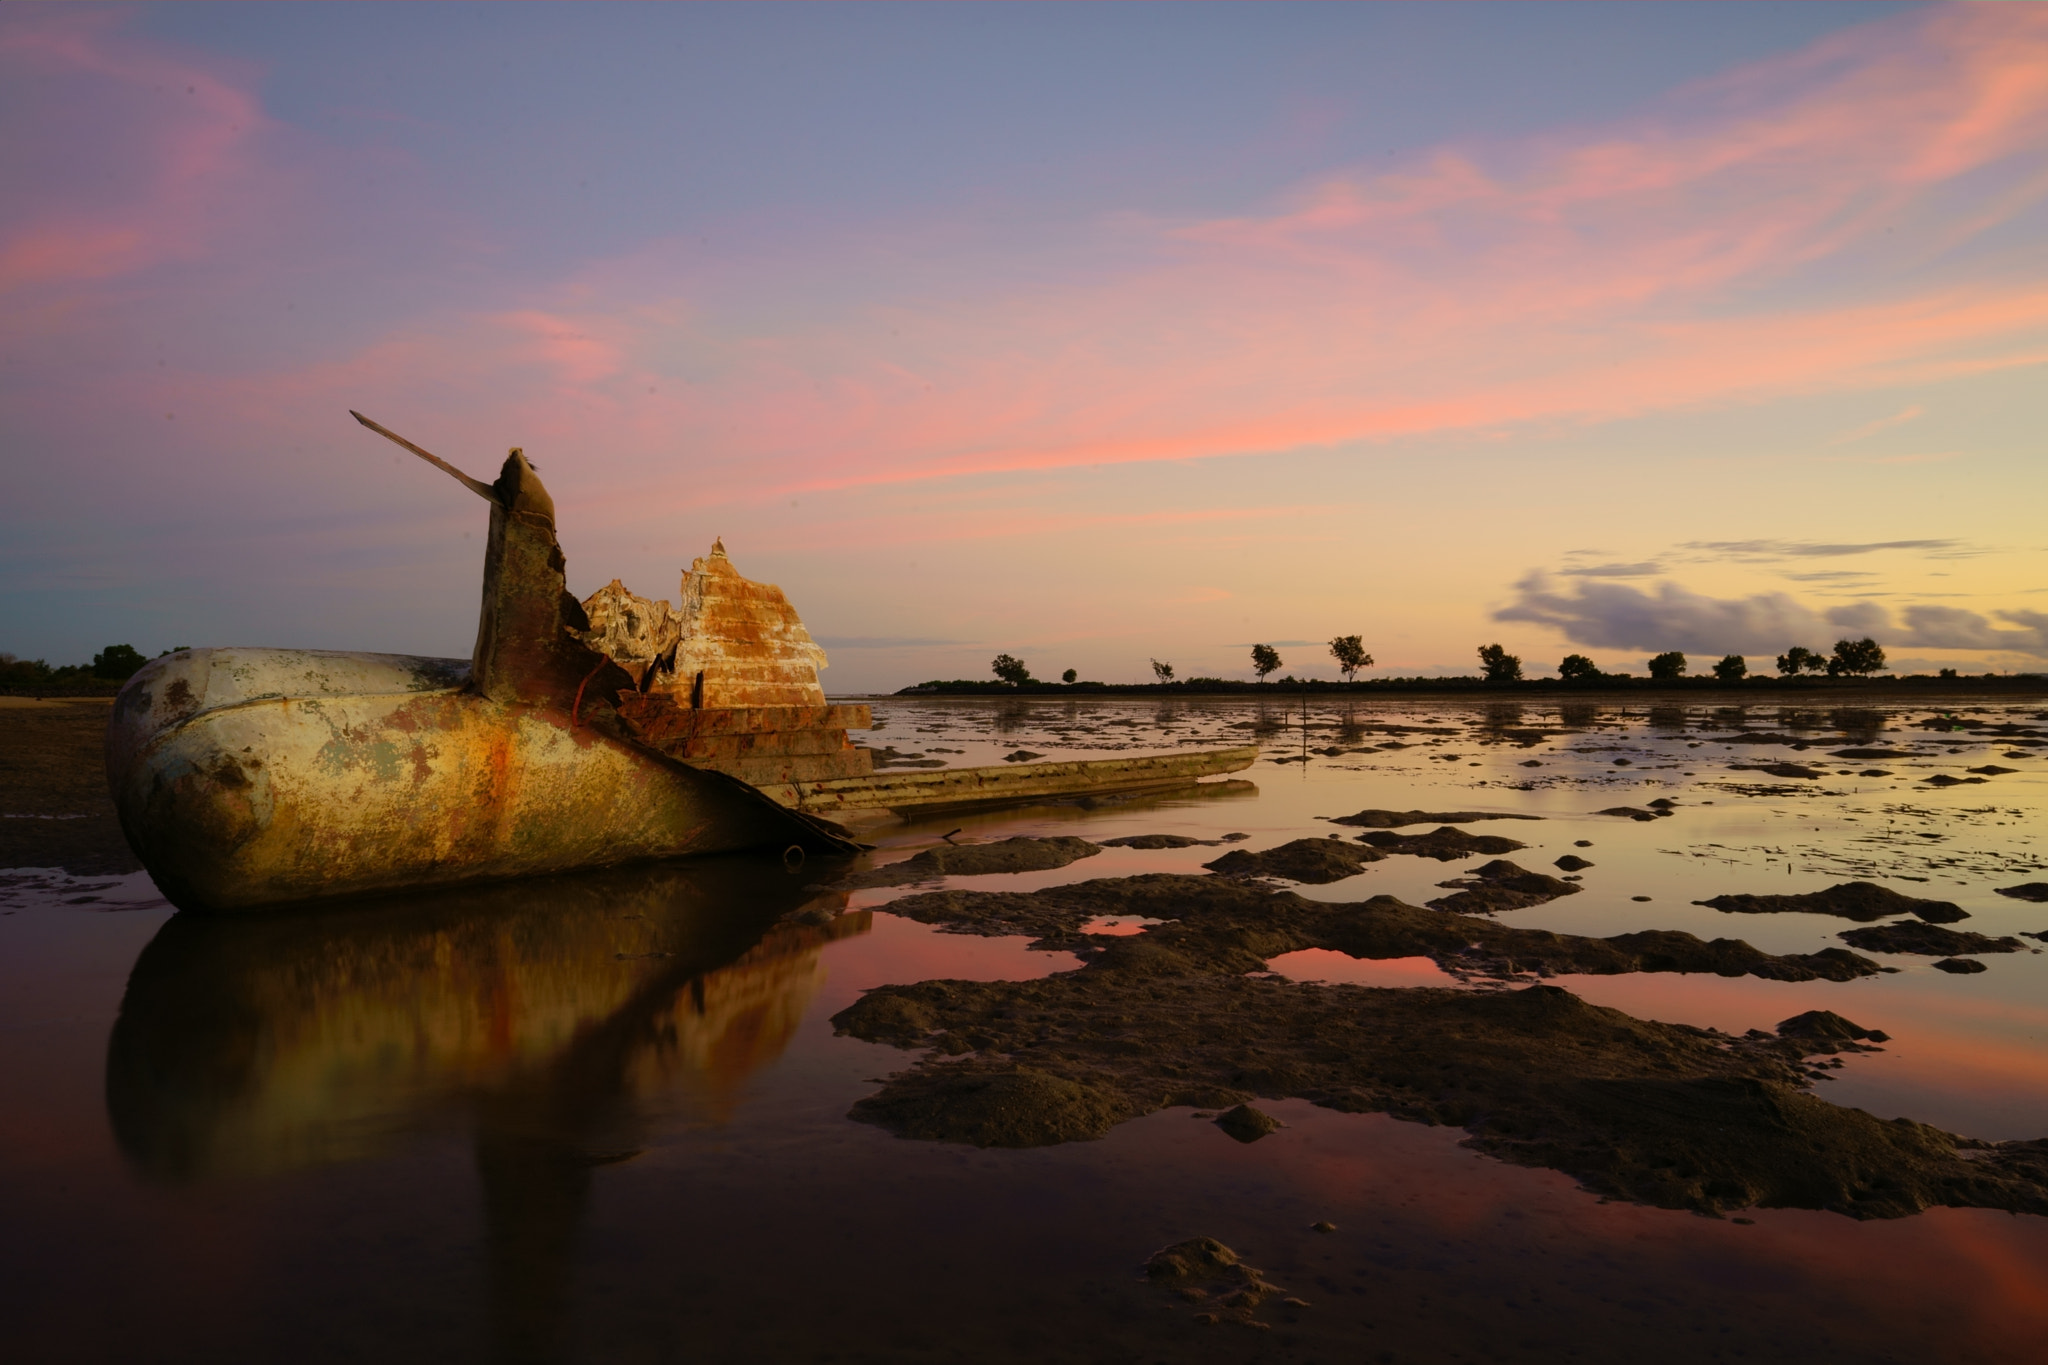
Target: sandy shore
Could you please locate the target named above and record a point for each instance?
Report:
(54, 807)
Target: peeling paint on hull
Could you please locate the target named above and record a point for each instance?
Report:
(250, 777)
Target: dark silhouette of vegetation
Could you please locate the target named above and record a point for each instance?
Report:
(1799, 659)
(1069, 676)
(1349, 652)
(1577, 668)
(1499, 665)
(117, 662)
(1265, 659)
(1010, 669)
(1162, 671)
(1732, 668)
(1856, 658)
(1668, 666)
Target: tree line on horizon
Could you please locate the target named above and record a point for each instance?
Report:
(1850, 659)
(114, 664)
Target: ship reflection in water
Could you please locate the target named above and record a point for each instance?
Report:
(553, 1017)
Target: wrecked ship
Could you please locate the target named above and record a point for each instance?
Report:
(576, 735)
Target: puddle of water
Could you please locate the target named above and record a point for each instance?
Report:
(1334, 968)
(606, 1117)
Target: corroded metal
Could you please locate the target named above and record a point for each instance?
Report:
(250, 777)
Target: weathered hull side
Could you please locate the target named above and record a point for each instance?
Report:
(252, 777)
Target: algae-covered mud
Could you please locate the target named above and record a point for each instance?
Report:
(1565, 1031)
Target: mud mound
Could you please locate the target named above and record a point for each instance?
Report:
(1669, 1115)
(1870, 753)
(1204, 1271)
(1247, 1124)
(1859, 901)
(1927, 940)
(1317, 861)
(1444, 845)
(2026, 891)
(993, 1106)
(1395, 819)
(1961, 966)
(1501, 885)
(1159, 841)
(1572, 862)
(1628, 812)
(1778, 769)
(968, 860)
(1825, 1026)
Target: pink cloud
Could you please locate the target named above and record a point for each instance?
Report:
(1655, 265)
(180, 135)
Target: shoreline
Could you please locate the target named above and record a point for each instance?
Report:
(1916, 687)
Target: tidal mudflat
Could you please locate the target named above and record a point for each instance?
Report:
(1550, 1031)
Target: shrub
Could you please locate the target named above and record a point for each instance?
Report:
(1069, 676)
(1732, 668)
(1799, 659)
(1010, 669)
(119, 662)
(1500, 666)
(1667, 666)
(1577, 668)
(1162, 671)
(1856, 658)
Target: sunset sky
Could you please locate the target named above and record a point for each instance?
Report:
(1089, 334)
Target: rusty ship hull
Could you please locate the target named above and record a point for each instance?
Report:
(577, 735)
(250, 777)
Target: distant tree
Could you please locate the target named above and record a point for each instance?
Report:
(1577, 668)
(1349, 652)
(1667, 666)
(1856, 658)
(1947, 673)
(1265, 659)
(1799, 659)
(1010, 669)
(1732, 668)
(1500, 666)
(1162, 671)
(117, 661)
(1069, 676)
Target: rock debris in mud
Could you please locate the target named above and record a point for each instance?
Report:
(2026, 891)
(1859, 901)
(1159, 841)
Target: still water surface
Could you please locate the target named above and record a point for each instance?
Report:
(604, 1117)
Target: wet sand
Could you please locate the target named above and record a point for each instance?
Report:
(606, 1119)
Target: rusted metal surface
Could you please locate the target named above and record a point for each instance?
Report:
(250, 777)
(730, 643)
(1011, 782)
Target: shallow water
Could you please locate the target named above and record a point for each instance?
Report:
(603, 1118)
